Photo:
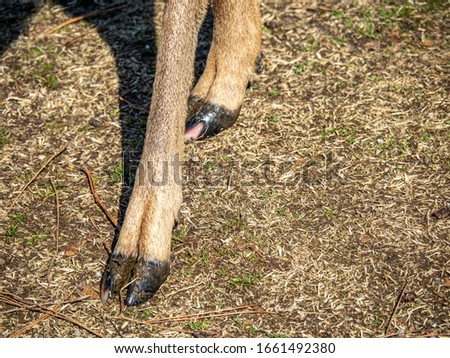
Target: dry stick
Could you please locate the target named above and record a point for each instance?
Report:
(57, 232)
(181, 319)
(131, 105)
(85, 16)
(58, 214)
(9, 296)
(438, 335)
(115, 327)
(62, 149)
(395, 308)
(217, 313)
(183, 289)
(99, 28)
(11, 299)
(71, 320)
(193, 315)
(158, 327)
(40, 319)
(107, 247)
(411, 333)
(97, 199)
(224, 314)
(79, 299)
(441, 296)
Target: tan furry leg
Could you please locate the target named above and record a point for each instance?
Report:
(237, 43)
(216, 100)
(205, 82)
(141, 256)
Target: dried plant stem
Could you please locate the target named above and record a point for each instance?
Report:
(60, 150)
(14, 300)
(211, 314)
(35, 322)
(58, 211)
(394, 311)
(181, 319)
(442, 297)
(97, 199)
(113, 7)
(131, 105)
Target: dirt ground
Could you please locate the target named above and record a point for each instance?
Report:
(323, 213)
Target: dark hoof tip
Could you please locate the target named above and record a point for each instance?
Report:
(207, 119)
(149, 276)
(117, 273)
(146, 276)
(107, 286)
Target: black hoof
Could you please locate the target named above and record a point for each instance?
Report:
(149, 276)
(145, 277)
(117, 273)
(207, 119)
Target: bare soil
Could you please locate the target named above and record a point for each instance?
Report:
(317, 215)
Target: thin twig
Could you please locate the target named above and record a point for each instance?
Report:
(422, 333)
(5, 294)
(160, 328)
(111, 218)
(131, 105)
(40, 319)
(395, 308)
(254, 248)
(113, 7)
(14, 300)
(429, 335)
(200, 316)
(210, 312)
(302, 162)
(440, 296)
(99, 29)
(17, 333)
(60, 150)
(56, 234)
(217, 313)
(107, 247)
(183, 289)
(156, 326)
(115, 327)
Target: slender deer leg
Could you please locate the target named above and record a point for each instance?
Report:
(141, 256)
(216, 100)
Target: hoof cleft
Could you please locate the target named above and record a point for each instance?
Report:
(146, 276)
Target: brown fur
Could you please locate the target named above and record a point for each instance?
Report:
(235, 47)
(151, 212)
(147, 228)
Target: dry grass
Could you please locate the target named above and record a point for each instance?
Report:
(317, 206)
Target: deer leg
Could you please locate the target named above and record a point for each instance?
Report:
(140, 259)
(216, 100)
